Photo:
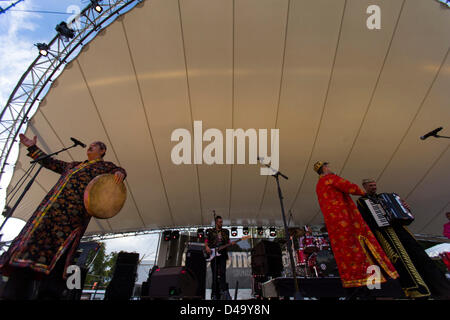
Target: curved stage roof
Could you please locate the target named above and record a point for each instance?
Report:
(336, 90)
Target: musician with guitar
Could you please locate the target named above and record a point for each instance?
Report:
(216, 238)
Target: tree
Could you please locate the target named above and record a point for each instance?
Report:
(101, 268)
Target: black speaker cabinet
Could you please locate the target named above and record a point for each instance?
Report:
(124, 276)
(196, 263)
(267, 259)
(172, 283)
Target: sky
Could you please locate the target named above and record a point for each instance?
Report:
(28, 23)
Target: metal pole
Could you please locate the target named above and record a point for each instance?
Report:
(297, 295)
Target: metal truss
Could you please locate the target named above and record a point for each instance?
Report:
(114, 235)
(37, 80)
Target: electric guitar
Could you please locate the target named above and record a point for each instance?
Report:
(215, 253)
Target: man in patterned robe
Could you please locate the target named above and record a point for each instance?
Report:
(45, 246)
(419, 275)
(354, 246)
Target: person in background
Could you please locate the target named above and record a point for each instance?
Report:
(215, 238)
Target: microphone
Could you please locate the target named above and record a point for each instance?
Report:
(78, 142)
(431, 133)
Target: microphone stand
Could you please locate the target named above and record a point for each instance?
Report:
(216, 285)
(438, 136)
(28, 186)
(276, 175)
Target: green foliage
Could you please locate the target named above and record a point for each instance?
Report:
(101, 268)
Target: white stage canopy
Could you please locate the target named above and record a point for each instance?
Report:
(336, 90)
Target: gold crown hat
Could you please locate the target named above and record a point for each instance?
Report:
(368, 180)
(318, 165)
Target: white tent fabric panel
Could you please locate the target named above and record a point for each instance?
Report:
(336, 91)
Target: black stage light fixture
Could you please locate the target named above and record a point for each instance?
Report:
(445, 3)
(245, 231)
(260, 231)
(272, 232)
(97, 7)
(167, 235)
(65, 31)
(200, 233)
(234, 232)
(43, 48)
(175, 234)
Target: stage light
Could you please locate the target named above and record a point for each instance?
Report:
(273, 232)
(167, 235)
(175, 235)
(97, 7)
(260, 231)
(245, 231)
(200, 233)
(43, 48)
(65, 31)
(445, 3)
(234, 232)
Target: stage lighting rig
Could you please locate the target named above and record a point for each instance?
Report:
(445, 3)
(245, 231)
(200, 233)
(96, 5)
(272, 232)
(175, 235)
(64, 31)
(234, 232)
(43, 48)
(260, 231)
(167, 235)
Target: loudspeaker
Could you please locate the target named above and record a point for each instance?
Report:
(267, 259)
(172, 283)
(124, 276)
(196, 263)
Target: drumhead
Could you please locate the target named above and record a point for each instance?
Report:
(103, 197)
(326, 264)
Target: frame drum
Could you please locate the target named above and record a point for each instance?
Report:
(103, 198)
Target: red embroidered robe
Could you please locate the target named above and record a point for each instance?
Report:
(354, 246)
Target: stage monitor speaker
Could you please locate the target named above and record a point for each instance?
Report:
(124, 276)
(172, 283)
(267, 259)
(196, 263)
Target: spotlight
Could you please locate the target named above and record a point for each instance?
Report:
(65, 31)
(245, 231)
(97, 7)
(273, 232)
(175, 235)
(43, 48)
(234, 232)
(200, 233)
(445, 3)
(260, 231)
(167, 235)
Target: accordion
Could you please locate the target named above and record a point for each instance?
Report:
(388, 209)
(395, 209)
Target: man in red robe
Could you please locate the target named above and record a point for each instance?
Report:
(354, 246)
